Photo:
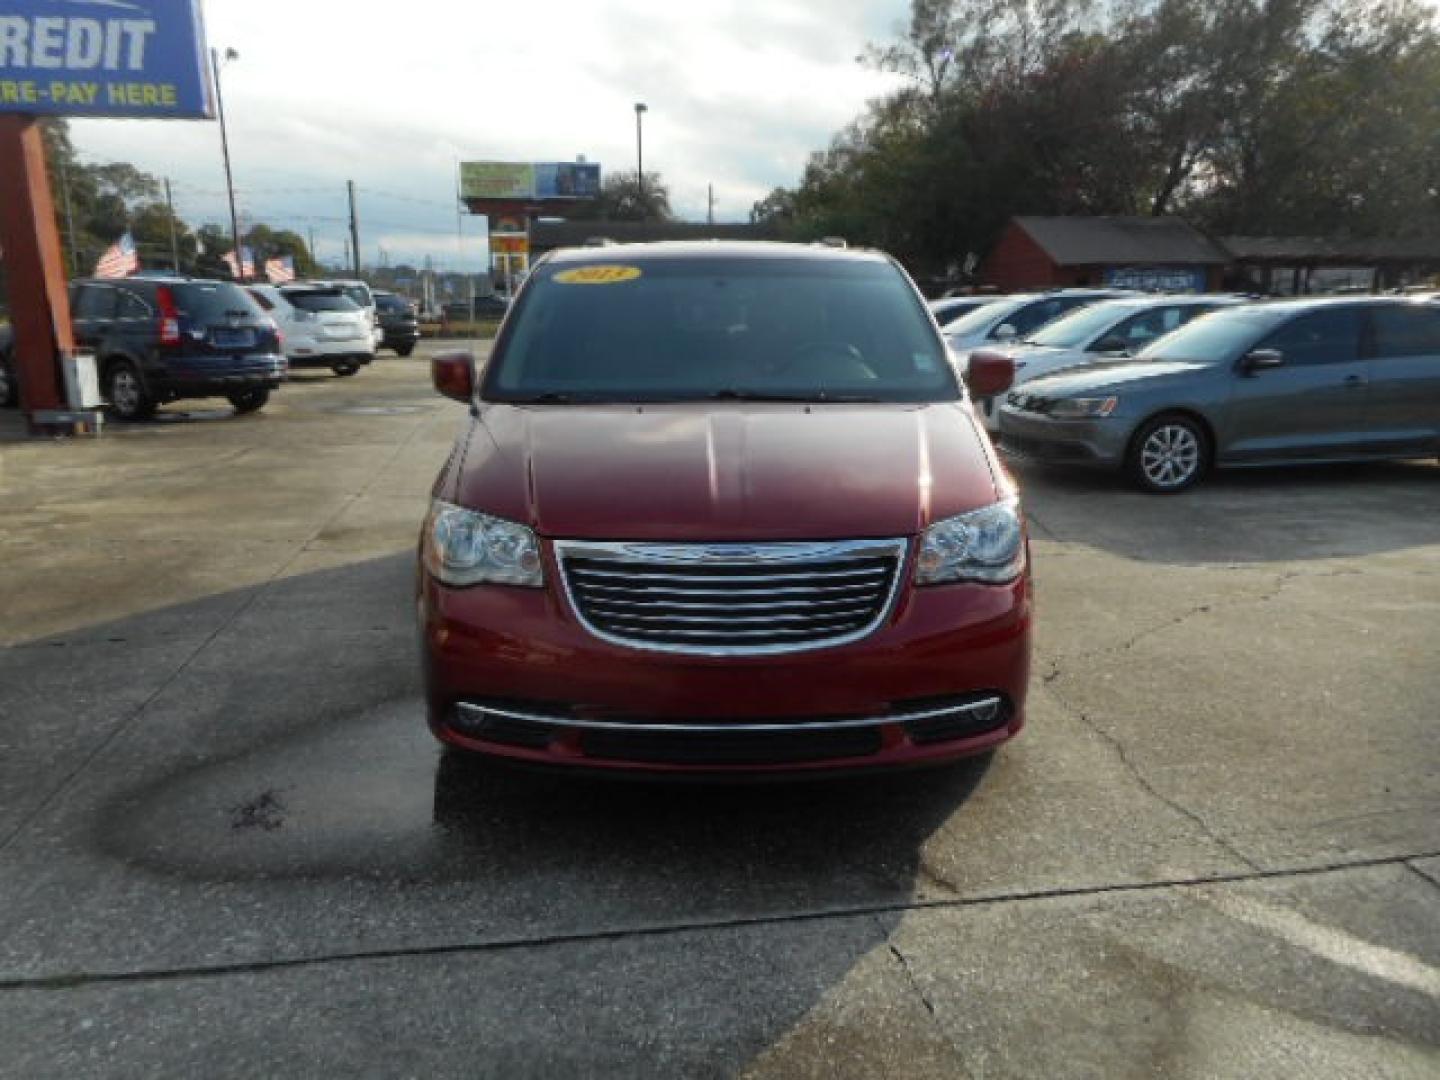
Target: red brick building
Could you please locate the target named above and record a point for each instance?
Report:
(1164, 253)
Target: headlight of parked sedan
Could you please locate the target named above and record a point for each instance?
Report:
(1082, 408)
(986, 545)
(462, 547)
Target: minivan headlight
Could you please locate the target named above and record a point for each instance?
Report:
(463, 547)
(986, 545)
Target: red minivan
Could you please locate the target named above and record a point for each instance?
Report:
(722, 507)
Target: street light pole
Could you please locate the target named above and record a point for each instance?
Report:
(640, 110)
(230, 54)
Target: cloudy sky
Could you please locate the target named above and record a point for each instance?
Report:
(391, 95)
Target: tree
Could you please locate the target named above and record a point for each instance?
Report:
(103, 199)
(150, 227)
(1262, 116)
(620, 199)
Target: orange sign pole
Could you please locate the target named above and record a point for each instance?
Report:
(35, 271)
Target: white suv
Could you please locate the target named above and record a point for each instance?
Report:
(361, 294)
(322, 326)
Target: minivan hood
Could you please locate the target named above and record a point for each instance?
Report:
(725, 471)
(1113, 375)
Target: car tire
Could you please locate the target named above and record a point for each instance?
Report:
(404, 350)
(345, 369)
(126, 392)
(9, 391)
(249, 401)
(1168, 454)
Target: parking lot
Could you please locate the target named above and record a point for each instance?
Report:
(226, 836)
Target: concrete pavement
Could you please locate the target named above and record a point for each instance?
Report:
(227, 844)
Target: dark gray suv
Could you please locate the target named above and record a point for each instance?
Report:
(1279, 383)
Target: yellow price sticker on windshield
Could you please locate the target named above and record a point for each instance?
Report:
(598, 275)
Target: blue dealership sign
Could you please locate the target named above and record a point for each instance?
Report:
(137, 58)
(1176, 279)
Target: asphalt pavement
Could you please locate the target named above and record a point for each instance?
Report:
(228, 846)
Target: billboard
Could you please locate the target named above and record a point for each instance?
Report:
(529, 180)
(133, 58)
(567, 180)
(497, 180)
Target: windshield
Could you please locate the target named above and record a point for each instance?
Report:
(210, 302)
(947, 311)
(359, 293)
(321, 301)
(802, 328)
(392, 305)
(1215, 338)
(982, 317)
(1081, 327)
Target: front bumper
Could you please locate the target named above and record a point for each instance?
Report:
(1072, 442)
(512, 673)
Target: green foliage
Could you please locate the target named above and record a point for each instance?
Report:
(1248, 116)
(621, 199)
(108, 200)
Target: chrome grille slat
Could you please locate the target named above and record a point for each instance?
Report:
(794, 590)
(731, 599)
(737, 635)
(741, 606)
(848, 615)
(741, 578)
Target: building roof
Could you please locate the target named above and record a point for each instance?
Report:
(1292, 250)
(1091, 241)
(545, 235)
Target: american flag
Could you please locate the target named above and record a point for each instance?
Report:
(281, 270)
(245, 271)
(120, 259)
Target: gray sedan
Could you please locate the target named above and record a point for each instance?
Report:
(1291, 382)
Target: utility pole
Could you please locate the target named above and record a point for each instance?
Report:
(354, 231)
(230, 54)
(75, 270)
(174, 240)
(313, 257)
(640, 110)
(710, 211)
(347, 251)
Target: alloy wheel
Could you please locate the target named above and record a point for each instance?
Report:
(1170, 455)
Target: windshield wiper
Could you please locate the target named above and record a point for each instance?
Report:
(736, 394)
(550, 397)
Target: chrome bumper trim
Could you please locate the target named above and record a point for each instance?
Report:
(991, 703)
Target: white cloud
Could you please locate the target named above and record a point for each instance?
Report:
(391, 95)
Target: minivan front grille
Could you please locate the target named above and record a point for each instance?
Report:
(731, 599)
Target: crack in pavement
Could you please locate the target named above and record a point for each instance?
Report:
(910, 978)
(1122, 753)
(1423, 874)
(75, 980)
(1271, 593)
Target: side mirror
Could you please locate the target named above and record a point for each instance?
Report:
(989, 374)
(1261, 359)
(1004, 332)
(453, 374)
(1111, 345)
